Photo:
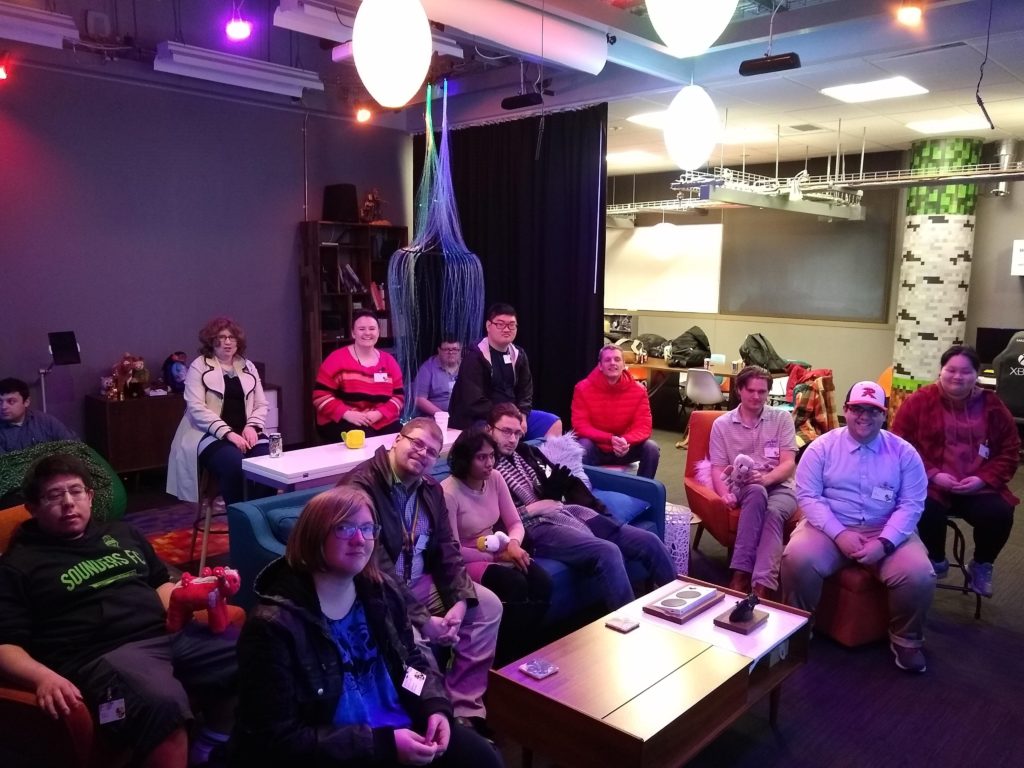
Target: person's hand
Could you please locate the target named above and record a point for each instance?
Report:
(438, 733)
(944, 480)
(543, 506)
(870, 553)
(250, 436)
(756, 478)
(57, 695)
(373, 416)
(413, 749)
(850, 543)
(729, 498)
(434, 630)
(619, 445)
(516, 555)
(971, 484)
(238, 441)
(357, 418)
(453, 622)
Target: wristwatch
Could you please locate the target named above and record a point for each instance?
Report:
(887, 545)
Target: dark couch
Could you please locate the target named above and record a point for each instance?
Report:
(260, 528)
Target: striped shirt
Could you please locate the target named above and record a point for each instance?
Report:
(523, 483)
(764, 442)
(343, 384)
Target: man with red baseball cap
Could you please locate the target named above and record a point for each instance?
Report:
(862, 490)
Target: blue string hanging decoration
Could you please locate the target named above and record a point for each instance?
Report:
(436, 283)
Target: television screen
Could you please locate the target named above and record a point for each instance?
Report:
(991, 341)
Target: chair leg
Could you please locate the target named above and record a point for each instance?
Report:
(696, 538)
(206, 536)
(202, 511)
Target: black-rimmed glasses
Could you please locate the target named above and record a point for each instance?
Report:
(421, 446)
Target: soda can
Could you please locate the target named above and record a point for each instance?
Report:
(276, 444)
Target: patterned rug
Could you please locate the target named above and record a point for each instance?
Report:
(173, 547)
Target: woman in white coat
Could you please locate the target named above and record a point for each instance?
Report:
(225, 409)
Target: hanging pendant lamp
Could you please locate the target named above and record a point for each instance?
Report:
(689, 27)
(391, 45)
(692, 128)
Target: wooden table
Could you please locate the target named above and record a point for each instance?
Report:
(653, 697)
(310, 467)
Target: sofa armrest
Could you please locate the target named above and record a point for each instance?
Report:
(33, 736)
(651, 491)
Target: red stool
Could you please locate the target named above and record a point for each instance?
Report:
(854, 607)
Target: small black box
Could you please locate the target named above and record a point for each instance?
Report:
(340, 203)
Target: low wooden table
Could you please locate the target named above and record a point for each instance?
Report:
(653, 697)
(309, 467)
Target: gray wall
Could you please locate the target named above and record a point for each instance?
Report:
(131, 213)
(996, 299)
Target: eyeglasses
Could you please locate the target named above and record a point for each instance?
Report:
(421, 447)
(226, 337)
(501, 325)
(55, 495)
(518, 435)
(864, 410)
(348, 531)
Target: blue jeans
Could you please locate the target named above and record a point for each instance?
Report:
(647, 453)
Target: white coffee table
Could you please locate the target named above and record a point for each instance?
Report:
(309, 467)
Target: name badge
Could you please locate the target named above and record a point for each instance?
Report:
(881, 493)
(507, 359)
(414, 680)
(771, 450)
(111, 711)
(380, 377)
(983, 451)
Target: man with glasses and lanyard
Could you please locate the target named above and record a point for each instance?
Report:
(418, 549)
(862, 490)
(564, 521)
(497, 371)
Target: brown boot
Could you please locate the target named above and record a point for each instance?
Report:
(740, 581)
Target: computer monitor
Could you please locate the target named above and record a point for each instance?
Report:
(991, 341)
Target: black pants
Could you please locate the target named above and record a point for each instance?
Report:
(224, 460)
(988, 513)
(525, 598)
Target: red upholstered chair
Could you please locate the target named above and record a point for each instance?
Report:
(854, 607)
(718, 519)
(32, 735)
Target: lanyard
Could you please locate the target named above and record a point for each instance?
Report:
(409, 537)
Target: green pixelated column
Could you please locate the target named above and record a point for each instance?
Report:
(935, 265)
(943, 153)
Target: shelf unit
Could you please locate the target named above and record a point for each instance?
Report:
(342, 266)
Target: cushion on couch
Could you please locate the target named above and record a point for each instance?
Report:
(623, 508)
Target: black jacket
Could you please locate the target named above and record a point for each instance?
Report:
(442, 558)
(290, 676)
(473, 394)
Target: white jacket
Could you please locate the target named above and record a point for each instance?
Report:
(204, 400)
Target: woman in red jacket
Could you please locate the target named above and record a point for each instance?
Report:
(968, 442)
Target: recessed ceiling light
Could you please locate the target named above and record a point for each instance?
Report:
(875, 90)
(949, 124)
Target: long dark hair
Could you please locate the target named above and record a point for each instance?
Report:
(465, 447)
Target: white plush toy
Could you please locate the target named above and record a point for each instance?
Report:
(494, 543)
(737, 474)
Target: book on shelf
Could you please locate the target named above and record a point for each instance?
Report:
(350, 279)
(377, 294)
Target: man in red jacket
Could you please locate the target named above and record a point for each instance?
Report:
(612, 417)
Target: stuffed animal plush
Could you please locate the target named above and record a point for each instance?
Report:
(174, 369)
(209, 591)
(496, 542)
(138, 381)
(737, 474)
(565, 450)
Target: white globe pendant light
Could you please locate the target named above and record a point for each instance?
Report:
(391, 46)
(689, 27)
(692, 128)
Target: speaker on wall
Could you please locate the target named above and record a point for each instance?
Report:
(340, 203)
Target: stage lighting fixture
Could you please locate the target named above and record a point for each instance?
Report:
(779, 62)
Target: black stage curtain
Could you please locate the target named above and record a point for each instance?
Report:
(531, 196)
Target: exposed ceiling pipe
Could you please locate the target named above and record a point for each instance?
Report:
(518, 28)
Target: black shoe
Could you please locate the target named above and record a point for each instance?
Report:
(477, 724)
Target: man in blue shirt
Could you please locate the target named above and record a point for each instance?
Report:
(21, 427)
(862, 491)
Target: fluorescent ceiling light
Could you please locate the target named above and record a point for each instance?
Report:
(316, 18)
(949, 124)
(875, 90)
(217, 67)
(654, 120)
(30, 25)
(732, 135)
(638, 156)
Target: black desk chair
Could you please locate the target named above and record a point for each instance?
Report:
(1009, 370)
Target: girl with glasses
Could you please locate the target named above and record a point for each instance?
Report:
(329, 671)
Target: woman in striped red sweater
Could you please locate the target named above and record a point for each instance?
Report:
(358, 386)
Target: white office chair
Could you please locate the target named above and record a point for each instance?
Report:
(702, 389)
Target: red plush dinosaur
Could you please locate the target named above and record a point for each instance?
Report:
(209, 591)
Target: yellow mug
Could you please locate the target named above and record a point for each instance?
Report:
(354, 438)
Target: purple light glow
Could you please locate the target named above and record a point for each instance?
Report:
(238, 29)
